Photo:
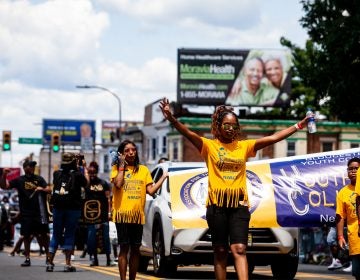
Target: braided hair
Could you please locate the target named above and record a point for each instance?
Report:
(217, 118)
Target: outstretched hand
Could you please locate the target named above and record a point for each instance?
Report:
(165, 108)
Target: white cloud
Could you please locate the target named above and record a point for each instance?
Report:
(43, 44)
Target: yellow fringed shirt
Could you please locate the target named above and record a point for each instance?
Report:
(226, 164)
(128, 201)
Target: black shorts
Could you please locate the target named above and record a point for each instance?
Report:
(30, 226)
(228, 224)
(129, 234)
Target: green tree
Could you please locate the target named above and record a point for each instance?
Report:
(327, 71)
(304, 80)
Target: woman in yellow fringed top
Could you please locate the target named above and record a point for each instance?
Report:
(227, 204)
(131, 183)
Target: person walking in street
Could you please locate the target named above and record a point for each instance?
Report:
(346, 216)
(66, 200)
(227, 203)
(97, 200)
(132, 181)
(32, 190)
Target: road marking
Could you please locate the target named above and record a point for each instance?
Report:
(113, 271)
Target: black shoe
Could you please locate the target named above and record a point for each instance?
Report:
(49, 267)
(69, 268)
(94, 263)
(27, 262)
(110, 263)
(83, 254)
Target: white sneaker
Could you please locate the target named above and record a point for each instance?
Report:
(335, 264)
(348, 269)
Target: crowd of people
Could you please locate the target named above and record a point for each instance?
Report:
(79, 195)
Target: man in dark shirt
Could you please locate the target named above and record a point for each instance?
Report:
(97, 213)
(32, 190)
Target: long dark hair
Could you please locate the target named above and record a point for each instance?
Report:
(217, 118)
(121, 149)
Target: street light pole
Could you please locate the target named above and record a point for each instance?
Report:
(113, 94)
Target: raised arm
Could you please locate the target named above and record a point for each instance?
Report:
(192, 136)
(278, 136)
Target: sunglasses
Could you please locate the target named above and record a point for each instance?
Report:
(227, 126)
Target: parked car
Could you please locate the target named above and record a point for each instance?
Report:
(169, 247)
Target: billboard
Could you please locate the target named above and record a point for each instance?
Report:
(71, 131)
(110, 131)
(297, 191)
(254, 77)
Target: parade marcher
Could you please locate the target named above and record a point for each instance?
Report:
(97, 198)
(227, 204)
(346, 216)
(32, 190)
(132, 181)
(66, 200)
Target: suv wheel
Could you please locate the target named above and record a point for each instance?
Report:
(162, 266)
(285, 267)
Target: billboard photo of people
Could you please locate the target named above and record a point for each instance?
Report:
(264, 80)
(256, 77)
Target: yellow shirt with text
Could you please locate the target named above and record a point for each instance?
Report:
(128, 201)
(226, 164)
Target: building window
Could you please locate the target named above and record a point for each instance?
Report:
(164, 146)
(327, 146)
(290, 149)
(148, 149)
(153, 149)
(175, 150)
(354, 145)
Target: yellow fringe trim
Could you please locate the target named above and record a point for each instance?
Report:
(132, 217)
(228, 197)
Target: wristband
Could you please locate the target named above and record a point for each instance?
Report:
(121, 169)
(340, 237)
(298, 126)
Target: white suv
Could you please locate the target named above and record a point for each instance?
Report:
(169, 247)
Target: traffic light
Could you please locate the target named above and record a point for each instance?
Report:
(55, 142)
(6, 140)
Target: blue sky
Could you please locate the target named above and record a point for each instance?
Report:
(127, 46)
